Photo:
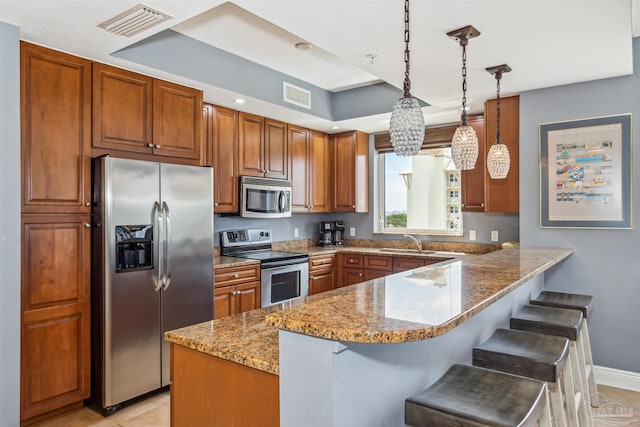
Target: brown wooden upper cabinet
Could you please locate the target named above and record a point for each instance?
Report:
(502, 195)
(263, 147)
(309, 170)
(122, 109)
(55, 102)
(138, 114)
(351, 171)
(473, 180)
(221, 142)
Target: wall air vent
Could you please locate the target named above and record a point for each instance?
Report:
(134, 20)
(296, 95)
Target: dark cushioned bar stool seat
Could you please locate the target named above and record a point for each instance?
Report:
(532, 355)
(468, 396)
(583, 303)
(564, 323)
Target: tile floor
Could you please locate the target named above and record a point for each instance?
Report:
(621, 409)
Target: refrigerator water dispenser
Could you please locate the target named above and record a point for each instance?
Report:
(134, 247)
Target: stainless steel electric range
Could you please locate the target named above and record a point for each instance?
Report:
(284, 275)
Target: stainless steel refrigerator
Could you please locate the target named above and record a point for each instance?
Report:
(152, 259)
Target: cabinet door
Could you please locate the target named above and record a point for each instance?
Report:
(55, 102)
(377, 262)
(276, 150)
(502, 195)
(321, 281)
(298, 156)
(251, 145)
(177, 121)
(374, 274)
(122, 109)
(223, 302)
(344, 168)
(247, 297)
(55, 336)
(319, 172)
(473, 180)
(224, 149)
(351, 276)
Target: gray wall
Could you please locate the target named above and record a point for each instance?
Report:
(605, 263)
(9, 225)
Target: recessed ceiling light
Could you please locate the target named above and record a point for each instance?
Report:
(303, 46)
(335, 127)
(239, 101)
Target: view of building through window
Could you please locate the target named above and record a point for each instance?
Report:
(421, 193)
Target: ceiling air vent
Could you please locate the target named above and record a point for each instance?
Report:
(296, 95)
(134, 20)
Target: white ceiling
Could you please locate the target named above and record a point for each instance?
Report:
(546, 43)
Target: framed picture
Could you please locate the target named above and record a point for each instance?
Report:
(585, 173)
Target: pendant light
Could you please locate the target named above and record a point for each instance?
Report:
(498, 160)
(464, 145)
(407, 121)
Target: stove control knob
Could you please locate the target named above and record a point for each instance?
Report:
(261, 233)
(266, 233)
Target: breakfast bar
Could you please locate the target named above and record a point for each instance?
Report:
(351, 356)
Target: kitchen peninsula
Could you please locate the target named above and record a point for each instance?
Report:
(349, 357)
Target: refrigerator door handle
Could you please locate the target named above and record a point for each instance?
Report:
(167, 242)
(157, 279)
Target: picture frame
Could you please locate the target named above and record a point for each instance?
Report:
(585, 173)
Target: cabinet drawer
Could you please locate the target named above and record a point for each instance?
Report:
(376, 262)
(232, 276)
(352, 261)
(405, 263)
(322, 262)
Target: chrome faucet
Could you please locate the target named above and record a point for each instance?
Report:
(415, 240)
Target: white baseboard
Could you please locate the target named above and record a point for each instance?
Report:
(617, 378)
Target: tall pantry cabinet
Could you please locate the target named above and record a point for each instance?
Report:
(56, 194)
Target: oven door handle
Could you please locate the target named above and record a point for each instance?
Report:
(284, 263)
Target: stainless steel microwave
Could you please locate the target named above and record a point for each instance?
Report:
(265, 197)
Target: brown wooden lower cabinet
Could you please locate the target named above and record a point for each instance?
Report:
(209, 391)
(231, 300)
(375, 274)
(321, 281)
(351, 276)
(406, 263)
(55, 333)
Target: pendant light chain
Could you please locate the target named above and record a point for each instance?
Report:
(464, 42)
(407, 82)
(498, 77)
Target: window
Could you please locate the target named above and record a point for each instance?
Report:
(419, 194)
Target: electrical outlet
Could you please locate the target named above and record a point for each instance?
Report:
(352, 231)
(296, 232)
(472, 234)
(494, 236)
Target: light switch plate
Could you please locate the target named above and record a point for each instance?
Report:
(472, 234)
(296, 232)
(352, 231)
(494, 236)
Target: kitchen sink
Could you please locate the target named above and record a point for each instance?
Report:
(424, 252)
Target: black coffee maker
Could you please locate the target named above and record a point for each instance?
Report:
(331, 233)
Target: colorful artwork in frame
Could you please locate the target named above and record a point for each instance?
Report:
(585, 173)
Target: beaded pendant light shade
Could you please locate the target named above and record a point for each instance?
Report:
(407, 121)
(464, 145)
(498, 160)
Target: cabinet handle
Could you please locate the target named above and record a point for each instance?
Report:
(150, 145)
(236, 275)
(216, 204)
(350, 261)
(312, 278)
(157, 146)
(87, 225)
(482, 205)
(87, 204)
(360, 274)
(353, 206)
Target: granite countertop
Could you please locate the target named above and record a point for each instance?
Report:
(417, 304)
(407, 306)
(220, 262)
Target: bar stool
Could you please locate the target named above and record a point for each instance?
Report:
(467, 396)
(538, 356)
(564, 323)
(583, 303)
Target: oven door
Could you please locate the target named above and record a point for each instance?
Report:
(284, 282)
